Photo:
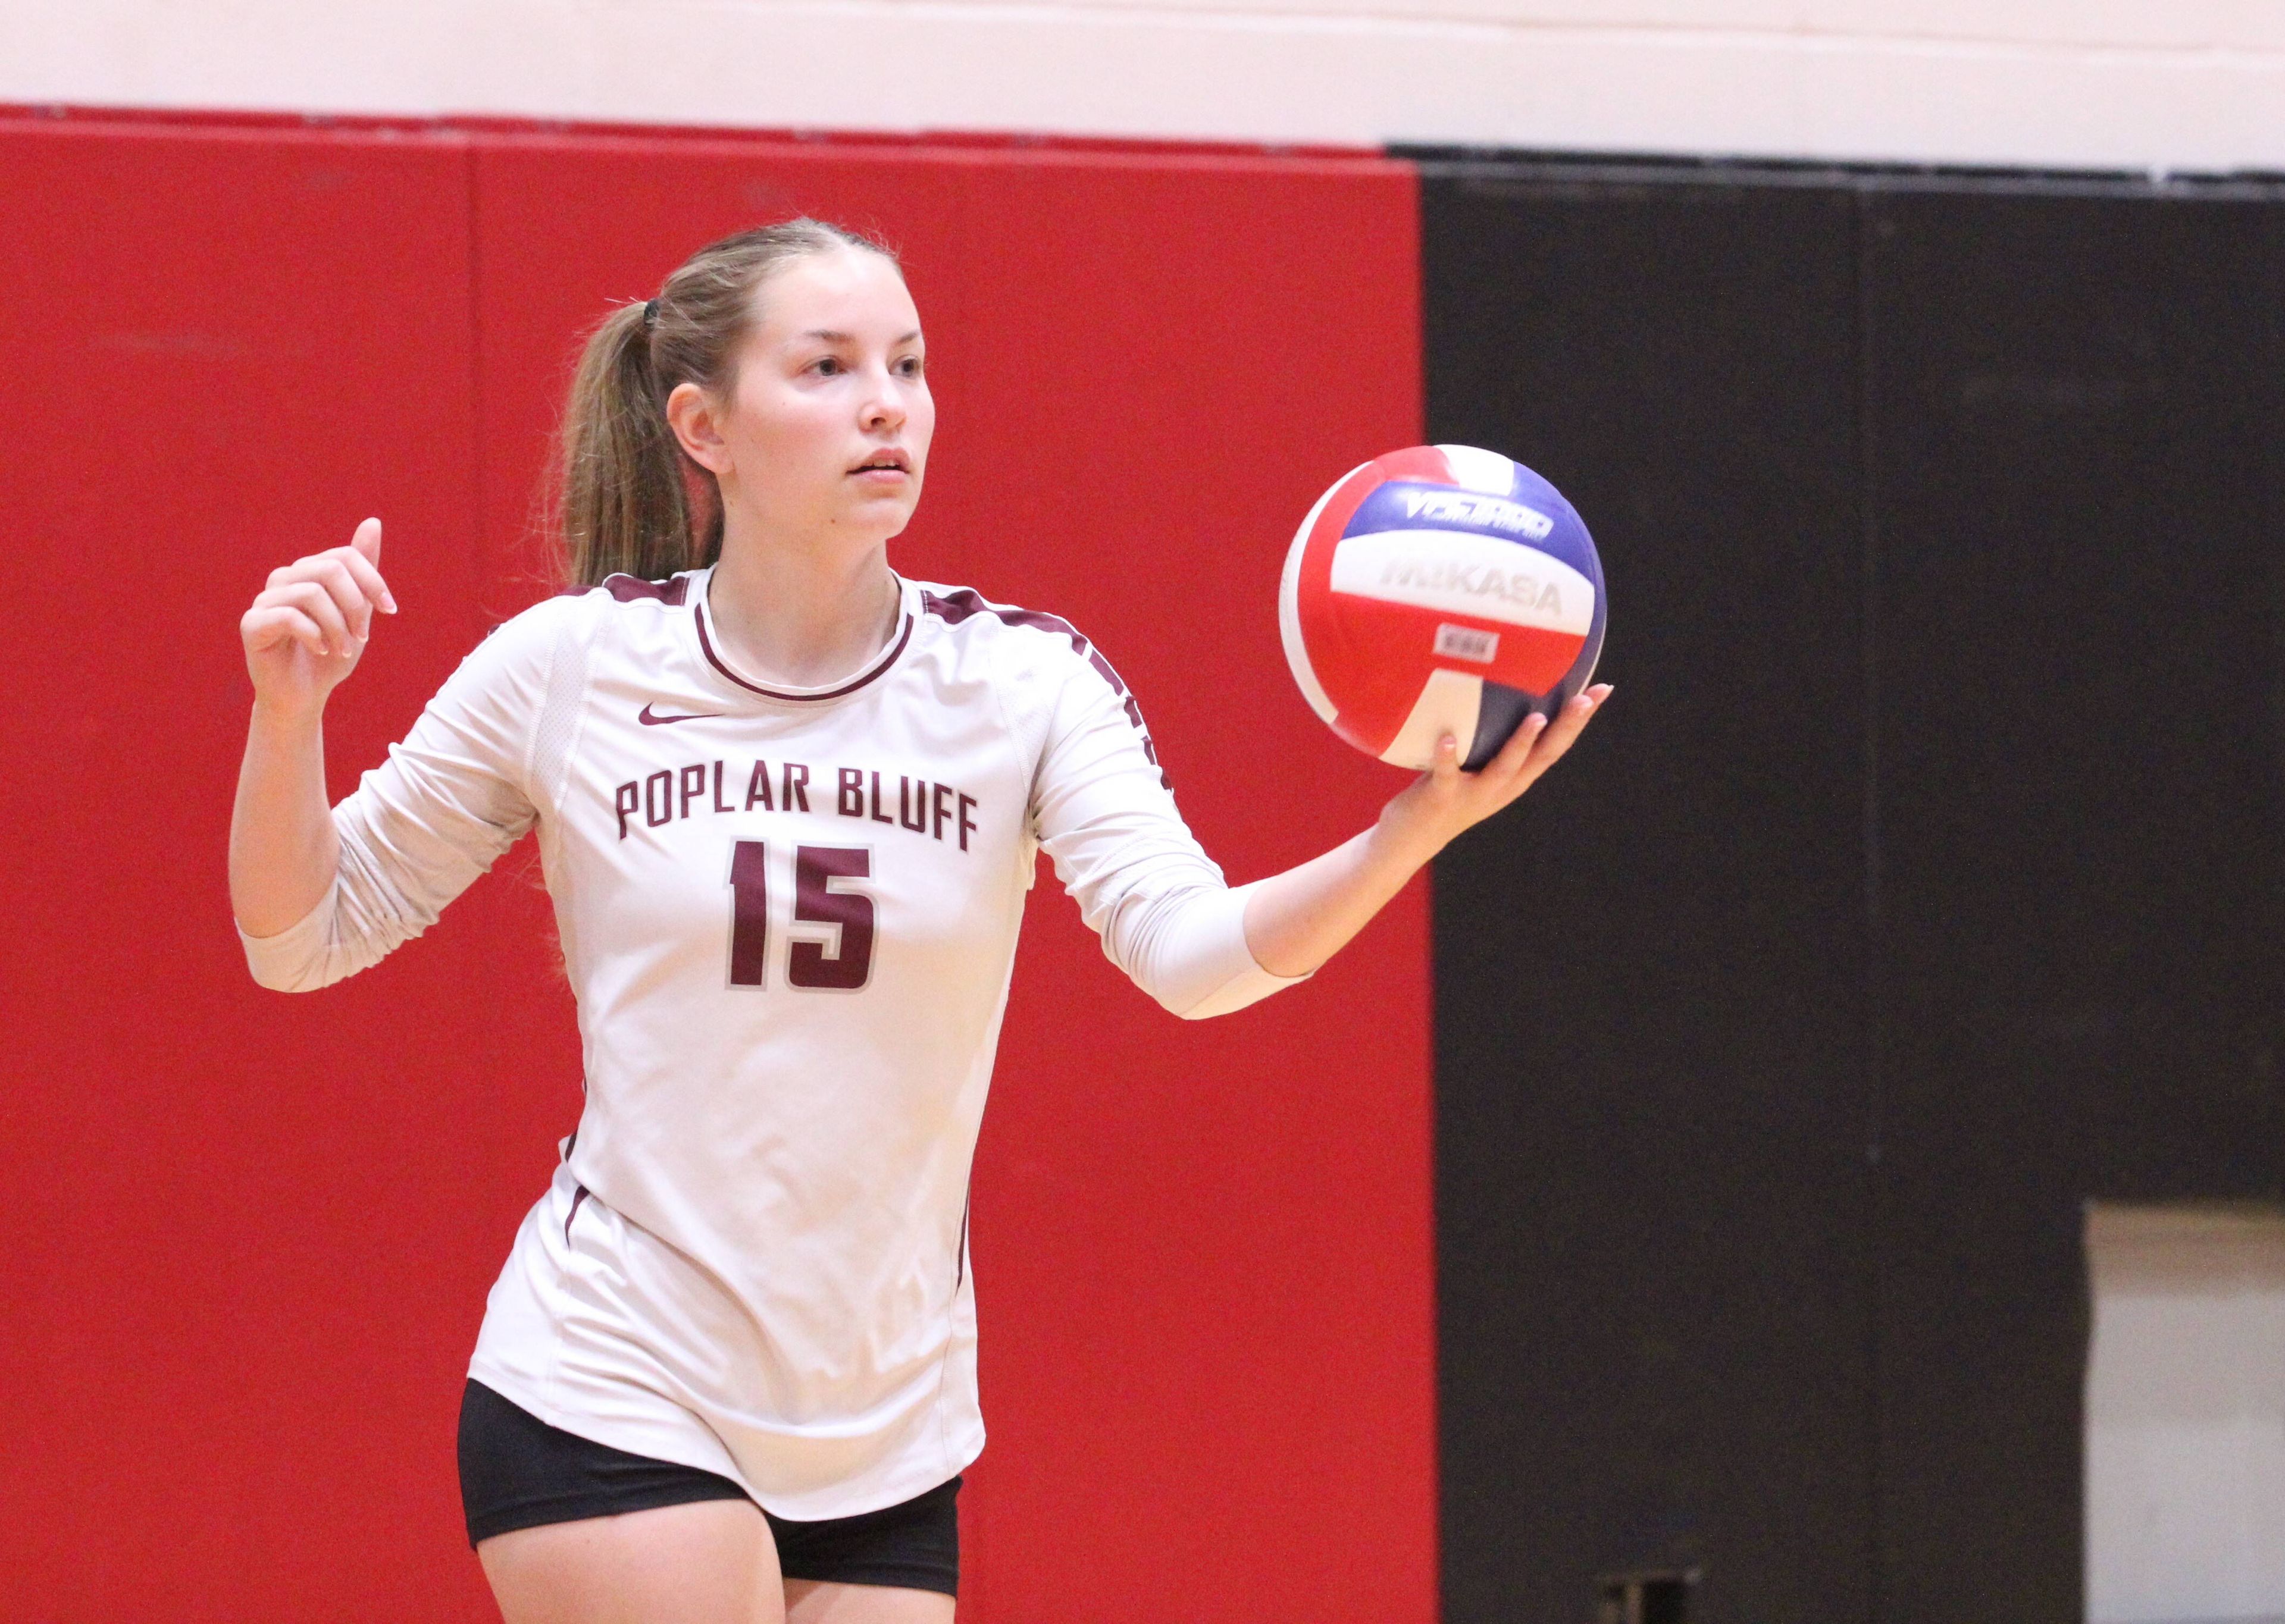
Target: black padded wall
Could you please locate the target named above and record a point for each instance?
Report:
(2074, 423)
(1920, 885)
(1650, 1185)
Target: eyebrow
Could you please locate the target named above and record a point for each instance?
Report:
(831, 337)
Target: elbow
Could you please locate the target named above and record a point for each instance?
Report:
(300, 959)
(1193, 957)
(1181, 1010)
(1239, 989)
(1194, 1008)
(1184, 994)
(278, 972)
(278, 978)
(1227, 1000)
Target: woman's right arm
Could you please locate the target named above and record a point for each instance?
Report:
(303, 636)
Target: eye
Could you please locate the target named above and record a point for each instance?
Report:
(909, 367)
(827, 366)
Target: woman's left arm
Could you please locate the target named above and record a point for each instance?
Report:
(1296, 921)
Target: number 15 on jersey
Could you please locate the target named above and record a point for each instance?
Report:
(823, 895)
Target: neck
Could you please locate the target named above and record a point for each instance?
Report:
(801, 613)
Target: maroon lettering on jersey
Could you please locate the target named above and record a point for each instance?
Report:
(758, 788)
(629, 798)
(878, 815)
(795, 790)
(905, 798)
(967, 823)
(814, 902)
(694, 784)
(940, 791)
(750, 913)
(849, 801)
(718, 804)
(658, 797)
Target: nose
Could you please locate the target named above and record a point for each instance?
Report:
(884, 410)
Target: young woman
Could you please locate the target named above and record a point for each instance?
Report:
(788, 804)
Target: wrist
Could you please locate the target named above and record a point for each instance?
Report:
(1400, 837)
(286, 721)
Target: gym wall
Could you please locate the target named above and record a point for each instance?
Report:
(2189, 84)
(249, 1236)
(1921, 885)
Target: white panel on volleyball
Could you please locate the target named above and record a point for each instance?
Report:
(1455, 572)
(1289, 609)
(1473, 469)
(1449, 703)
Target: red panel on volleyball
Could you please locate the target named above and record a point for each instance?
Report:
(254, 1233)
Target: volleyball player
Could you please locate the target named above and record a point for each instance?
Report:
(788, 804)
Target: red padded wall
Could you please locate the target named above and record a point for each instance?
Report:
(250, 1235)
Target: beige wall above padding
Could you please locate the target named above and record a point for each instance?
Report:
(2196, 84)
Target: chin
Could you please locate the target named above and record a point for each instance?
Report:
(872, 524)
(883, 514)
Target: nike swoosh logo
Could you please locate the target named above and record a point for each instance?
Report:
(649, 720)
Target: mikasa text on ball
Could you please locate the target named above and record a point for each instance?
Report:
(1440, 589)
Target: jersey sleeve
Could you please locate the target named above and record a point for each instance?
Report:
(1102, 810)
(421, 827)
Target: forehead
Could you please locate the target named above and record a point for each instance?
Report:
(847, 290)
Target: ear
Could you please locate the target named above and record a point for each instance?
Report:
(690, 413)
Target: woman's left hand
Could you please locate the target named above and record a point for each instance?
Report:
(1444, 801)
(1296, 921)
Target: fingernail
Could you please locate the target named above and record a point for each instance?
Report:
(387, 604)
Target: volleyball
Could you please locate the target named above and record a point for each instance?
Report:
(1440, 589)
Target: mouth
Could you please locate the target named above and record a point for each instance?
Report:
(890, 461)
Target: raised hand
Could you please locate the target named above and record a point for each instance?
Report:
(307, 629)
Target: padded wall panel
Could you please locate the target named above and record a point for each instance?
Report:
(254, 1233)
(2077, 406)
(1203, 1251)
(1268, 1217)
(1652, 1080)
(248, 1236)
(2066, 393)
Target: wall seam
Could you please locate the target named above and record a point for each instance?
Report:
(1875, 986)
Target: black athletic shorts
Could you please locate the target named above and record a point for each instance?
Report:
(517, 1472)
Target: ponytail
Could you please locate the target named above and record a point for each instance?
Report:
(626, 511)
(631, 502)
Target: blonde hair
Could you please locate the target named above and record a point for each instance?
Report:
(631, 502)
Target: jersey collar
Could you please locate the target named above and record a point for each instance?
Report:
(710, 647)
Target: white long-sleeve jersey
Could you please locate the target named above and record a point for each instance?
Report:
(790, 917)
